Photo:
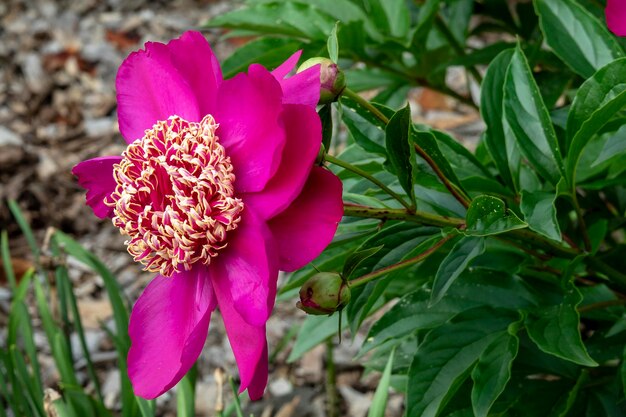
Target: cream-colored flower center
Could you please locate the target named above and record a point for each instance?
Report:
(175, 198)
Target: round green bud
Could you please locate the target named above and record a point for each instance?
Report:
(324, 293)
(332, 79)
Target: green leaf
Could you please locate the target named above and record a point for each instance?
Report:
(491, 107)
(368, 135)
(379, 402)
(314, 331)
(428, 142)
(427, 13)
(488, 215)
(577, 37)
(357, 258)
(333, 44)
(540, 213)
(446, 356)
(597, 100)
(279, 18)
(529, 119)
(493, 371)
(269, 52)
(555, 328)
(455, 263)
(400, 149)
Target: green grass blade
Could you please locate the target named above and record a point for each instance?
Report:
(236, 401)
(25, 227)
(6, 260)
(20, 321)
(146, 407)
(379, 402)
(33, 398)
(64, 285)
(186, 394)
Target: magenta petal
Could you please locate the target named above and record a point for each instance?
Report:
(195, 61)
(248, 268)
(151, 88)
(247, 341)
(303, 230)
(302, 88)
(286, 67)
(304, 137)
(168, 328)
(96, 176)
(248, 112)
(616, 16)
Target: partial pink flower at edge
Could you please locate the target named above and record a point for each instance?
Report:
(217, 215)
(616, 16)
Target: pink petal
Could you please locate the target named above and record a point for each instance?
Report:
(304, 230)
(195, 61)
(168, 328)
(151, 88)
(247, 341)
(248, 112)
(616, 16)
(302, 88)
(248, 268)
(304, 136)
(96, 175)
(286, 67)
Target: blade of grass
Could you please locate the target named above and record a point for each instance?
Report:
(146, 407)
(34, 400)
(185, 394)
(6, 260)
(64, 286)
(24, 226)
(13, 401)
(379, 402)
(236, 401)
(20, 321)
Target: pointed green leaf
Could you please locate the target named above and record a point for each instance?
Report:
(333, 44)
(446, 356)
(488, 215)
(540, 213)
(597, 100)
(493, 371)
(555, 329)
(576, 36)
(269, 52)
(455, 263)
(355, 259)
(400, 149)
(491, 106)
(529, 119)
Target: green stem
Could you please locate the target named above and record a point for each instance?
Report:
(461, 198)
(364, 279)
(454, 43)
(420, 217)
(332, 398)
(365, 104)
(348, 166)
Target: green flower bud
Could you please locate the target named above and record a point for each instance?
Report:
(324, 293)
(332, 79)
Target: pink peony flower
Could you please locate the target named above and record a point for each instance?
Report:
(616, 16)
(217, 191)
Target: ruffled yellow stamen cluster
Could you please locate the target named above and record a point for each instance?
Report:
(175, 196)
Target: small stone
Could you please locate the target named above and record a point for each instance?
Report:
(8, 137)
(280, 387)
